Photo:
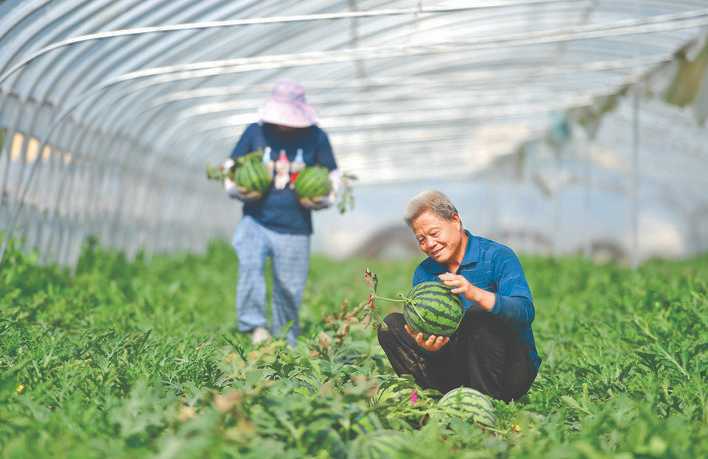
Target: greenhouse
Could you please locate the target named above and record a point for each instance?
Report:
(574, 132)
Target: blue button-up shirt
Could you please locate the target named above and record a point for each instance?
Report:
(493, 267)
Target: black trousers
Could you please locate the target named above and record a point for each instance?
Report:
(484, 353)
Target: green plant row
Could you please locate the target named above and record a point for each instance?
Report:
(138, 358)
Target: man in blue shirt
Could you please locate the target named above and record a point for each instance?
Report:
(278, 224)
(493, 350)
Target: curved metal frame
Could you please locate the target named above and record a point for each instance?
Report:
(74, 81)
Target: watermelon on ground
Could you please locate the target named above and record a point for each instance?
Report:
(467, 404)
(380, 444)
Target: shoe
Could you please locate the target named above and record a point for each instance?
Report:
(259, 334)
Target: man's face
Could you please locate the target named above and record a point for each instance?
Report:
(438, 238)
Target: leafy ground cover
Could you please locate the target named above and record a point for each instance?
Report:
(139, 359)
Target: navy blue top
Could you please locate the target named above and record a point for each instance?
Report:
(493, 267)
(279, 210)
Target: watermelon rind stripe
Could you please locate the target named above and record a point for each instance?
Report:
(432, 291)
(257, 184)
(431, 284)
(446, 298)
(413, 321)
(439, 315)
(429, 326)
(436, 313)
(251, 174)
(303, 183)
(435, 289)
(265, 179)
(452, 312)
(252, 177)
(431, 329)
(463, 392)
(477, 412)
(246, 176)
(472, 407)
(303, 179)
(439, 311)
(240, 178)
(313, 182)
(261, 176)
(468, 403)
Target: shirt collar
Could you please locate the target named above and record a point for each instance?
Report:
(472, 254)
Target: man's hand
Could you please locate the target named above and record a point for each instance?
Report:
(314, 203)
(461, 286)
(432, 344)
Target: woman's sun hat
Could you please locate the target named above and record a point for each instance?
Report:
(287, 106)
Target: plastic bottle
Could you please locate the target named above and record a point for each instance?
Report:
(296, 166)
(268, 161)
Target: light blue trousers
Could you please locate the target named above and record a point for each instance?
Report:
(290, 255)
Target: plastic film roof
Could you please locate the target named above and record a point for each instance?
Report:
(390, 79)
(406, 89)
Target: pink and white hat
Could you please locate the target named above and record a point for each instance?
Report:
(287, 106)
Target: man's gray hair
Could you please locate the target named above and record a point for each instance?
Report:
(433, 201)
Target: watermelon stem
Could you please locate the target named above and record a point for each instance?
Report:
(403, 300)
(418, 314)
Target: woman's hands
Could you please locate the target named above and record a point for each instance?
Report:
(249, 195)
(240, 193)
(432, 344)
(315, 203)
(461, 286)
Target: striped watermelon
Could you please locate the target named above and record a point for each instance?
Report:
(430, 308)
(251, 174)
(313, 182)
(467, 404)
(380, 444)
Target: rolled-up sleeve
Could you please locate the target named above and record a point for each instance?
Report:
(513, 296)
